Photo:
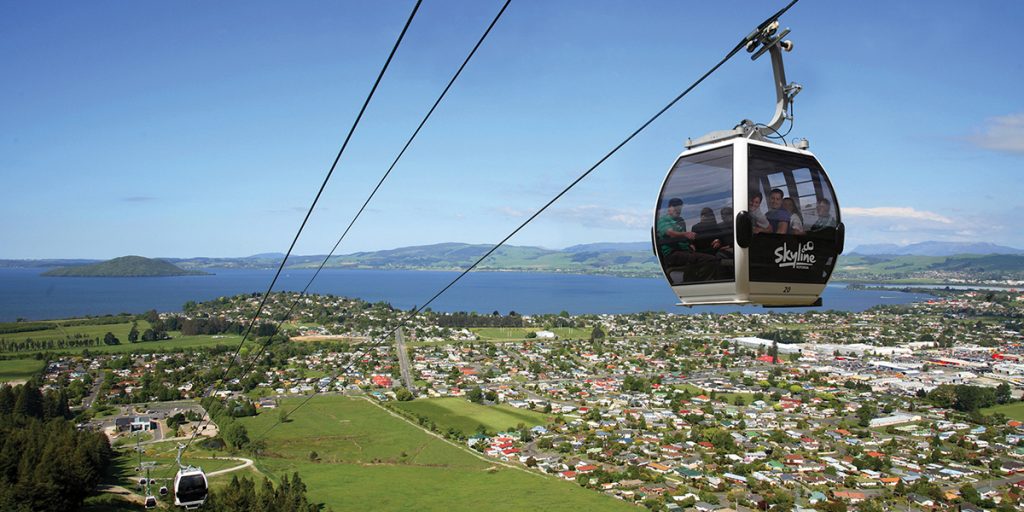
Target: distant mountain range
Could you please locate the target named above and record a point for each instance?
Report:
(633, 259)
(935, 249)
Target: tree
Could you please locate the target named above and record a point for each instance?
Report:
(403, 394)
(236, 435)
(865, 414)
(133, 334)
(475, 395)
(110, 339)
(1003, 393)
(596, 333)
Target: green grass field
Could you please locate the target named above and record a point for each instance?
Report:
(19, 369)
(1014, 411)
(466, 416)
(519, 333)
(371, 460)
(93, 331)
(729, 397)
(176, 341)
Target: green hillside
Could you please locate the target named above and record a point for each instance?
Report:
(457, 256)
(125, 266)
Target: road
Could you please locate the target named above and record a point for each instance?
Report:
(403, 360)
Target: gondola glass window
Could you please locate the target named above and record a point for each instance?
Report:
(794, 216)
(694, 224)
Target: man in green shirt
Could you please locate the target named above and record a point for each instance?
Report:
(675, 246)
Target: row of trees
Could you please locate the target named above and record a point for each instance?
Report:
(967, 398)
(45, 463)
(243, 494)
(463, 319)
(77, 340)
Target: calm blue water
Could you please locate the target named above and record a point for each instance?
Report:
(25, 294)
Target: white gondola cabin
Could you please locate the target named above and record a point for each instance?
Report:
(741, 219)
(778, 249)
(190, 487)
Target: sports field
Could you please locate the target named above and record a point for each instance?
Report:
(19, 369)
(519, 333)
(369, 459)
(466, 416)
(1014, 411)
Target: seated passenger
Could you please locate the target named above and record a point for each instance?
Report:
(676, 249)
(778, 217)
(796, 219)
(757, 217)
(825, 218)
(708, 239)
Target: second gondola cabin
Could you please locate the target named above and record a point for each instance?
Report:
(745, 221)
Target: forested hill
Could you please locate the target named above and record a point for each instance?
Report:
(125, 266)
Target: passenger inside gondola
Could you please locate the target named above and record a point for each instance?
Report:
(796, 219)
(759, 221)
(683, 263)
(778, 217)
(825, 218)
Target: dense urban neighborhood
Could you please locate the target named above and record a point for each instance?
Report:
(896, 408)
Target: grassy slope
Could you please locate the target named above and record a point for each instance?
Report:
(370, 460)
(19, 369)
(1014, 411)
(467, 416)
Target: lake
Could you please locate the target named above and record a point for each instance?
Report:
(26, 294)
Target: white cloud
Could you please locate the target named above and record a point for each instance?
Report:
(1003, 133)
(512, 212)
(597, 216)
(896, 213)
(588, 216)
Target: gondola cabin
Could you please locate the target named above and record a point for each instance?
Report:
(745, 221)
(190, 488)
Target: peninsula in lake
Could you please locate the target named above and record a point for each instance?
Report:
(125, 266)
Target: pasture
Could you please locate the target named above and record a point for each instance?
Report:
(467, 416)
(19, 369)
(368, 459)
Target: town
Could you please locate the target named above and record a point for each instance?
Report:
(895, 408)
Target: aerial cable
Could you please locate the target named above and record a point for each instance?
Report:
(742, 44)
(323, 185)
(383, 178)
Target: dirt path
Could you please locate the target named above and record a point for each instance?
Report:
(247, 463)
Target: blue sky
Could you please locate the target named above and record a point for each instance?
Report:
(204, 129)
